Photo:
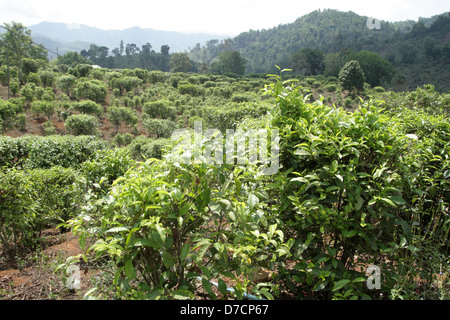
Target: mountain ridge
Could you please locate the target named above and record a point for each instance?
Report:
(65, 35)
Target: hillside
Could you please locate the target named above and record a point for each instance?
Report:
(416, 49)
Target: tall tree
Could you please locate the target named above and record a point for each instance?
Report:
(146, 48)
(377, 70)
(180, 62)
(229, 62)
(351, 76)
(165, 50)
(308, 61)
(17, 42)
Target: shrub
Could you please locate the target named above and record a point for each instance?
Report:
(379, 89)
(66, 151)
(160, 109)
(351, 76)
(126, 84)
(191, 89)
(156, 76)
(143, 148)
(88, 107)
(350, 188)
(105, 166)
(46, 108)
(14, 151)
(82, 124)
(31, 200)
(47, 78)
(66, 83)
(7, 113)
(330, 87)
(94, 90)
(162, 128)
(21, 121)
(123, 139)
(119, 115)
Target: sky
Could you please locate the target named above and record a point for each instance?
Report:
(226, 17)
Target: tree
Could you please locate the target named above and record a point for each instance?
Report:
(146, 48)
(333, 63)
(431, 48)
(72, 58)
(30, 66)
(160, 109)
(351, 76)
(131, 49)
(180, 62)
(229, 62)
(43, 107)
(407, 53)
(66, 83)
(165, 50)
(308, 61)
(377, 71)
(17, 40)
(121, 47)
(119, 115)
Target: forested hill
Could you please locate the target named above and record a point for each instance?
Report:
(419, 50)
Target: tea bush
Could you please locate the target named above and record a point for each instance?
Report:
(82, 124)
(350, 184)
(65, 151)
(32, 200)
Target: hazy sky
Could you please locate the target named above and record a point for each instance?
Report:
(229, 17)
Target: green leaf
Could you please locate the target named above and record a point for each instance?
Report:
(184, 251)
(398, 200)
(167, 259)
(118, 229)
(388, 201)
(207, 285)
(359, 203)
(130, 270)
(184, 209)
(252, 200)
(222, 287)
(182, 295)
(338, 285)
(348, 234)
(320, 285)
(144, 243)
(334, 262)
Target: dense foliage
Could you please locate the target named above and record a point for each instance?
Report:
(362, 180)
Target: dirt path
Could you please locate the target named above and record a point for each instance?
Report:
(33, 277)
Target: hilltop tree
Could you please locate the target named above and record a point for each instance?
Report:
(351, 76)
